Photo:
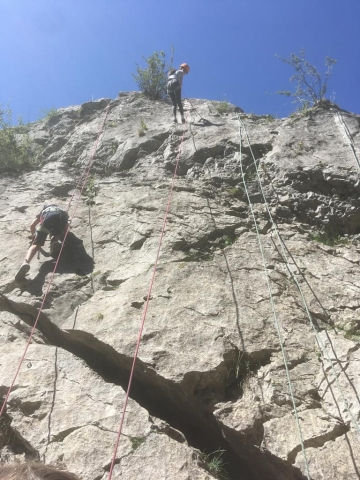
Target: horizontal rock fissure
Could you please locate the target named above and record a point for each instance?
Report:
(319, 441)
(211, 240)
(160, 397)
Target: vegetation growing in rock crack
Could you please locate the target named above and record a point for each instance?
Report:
(227, 240)
(152, 80)
(137, 441)
(241, 369)
(47, 113)
(91, 190)
(329, 238)
(310, 85)
(222, 107)
(250, 172)
(215, 464)
(17, 151)
(351, 332)
(198, 254)
(143, 128)
(205, 252)
(235, 192)
(318, 354)
(268, 118)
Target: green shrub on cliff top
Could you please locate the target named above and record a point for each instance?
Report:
(152, 80)
(16, 147)
(47, 113)
(310, 85)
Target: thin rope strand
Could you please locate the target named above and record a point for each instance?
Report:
(88, 166)
(276, 322)
(50, 281)
(288, 265)
(348, 134)
(146, 309)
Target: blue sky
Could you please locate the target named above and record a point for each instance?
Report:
(59, 53)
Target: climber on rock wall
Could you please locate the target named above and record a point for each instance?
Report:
(51, 220)
(174, 85)
(33, 471)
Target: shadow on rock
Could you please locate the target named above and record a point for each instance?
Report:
(74, 259)
(207, 123)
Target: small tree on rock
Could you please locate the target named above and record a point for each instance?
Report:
(311, 87)
(152, 80)
(16, 148)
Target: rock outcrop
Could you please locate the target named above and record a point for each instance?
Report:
(251, 345)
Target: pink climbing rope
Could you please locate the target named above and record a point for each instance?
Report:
(146, 307)
(85, 177)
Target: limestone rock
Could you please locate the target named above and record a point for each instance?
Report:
(67, 416)
(230, 300)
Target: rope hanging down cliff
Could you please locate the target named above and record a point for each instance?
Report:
(82, 182)
(349, 136)
(146, 305)
(292, 274)
(276, 321)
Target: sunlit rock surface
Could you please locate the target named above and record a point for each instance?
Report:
(223, 313)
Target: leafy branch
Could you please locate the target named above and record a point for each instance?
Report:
(17, 151)
(152, 80)
(310, 85)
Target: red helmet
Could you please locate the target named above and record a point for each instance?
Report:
(185, 67)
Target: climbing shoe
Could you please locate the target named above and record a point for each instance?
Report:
(182, 120)
(23, 270)
(175, 120)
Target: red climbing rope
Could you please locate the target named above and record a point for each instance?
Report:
(85, 177)
(146, 306)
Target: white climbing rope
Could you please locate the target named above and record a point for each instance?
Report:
(276, 321)
(288, 266)
(348, 134)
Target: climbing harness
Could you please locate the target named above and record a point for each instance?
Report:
(52, 208)
(173, 84)
(146, 304)
(85, 177)
(63, 218)
(41, 228)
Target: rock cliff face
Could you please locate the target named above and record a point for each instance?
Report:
(251, 341)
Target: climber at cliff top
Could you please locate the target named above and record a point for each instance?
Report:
(50, 220)
(174, 85)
